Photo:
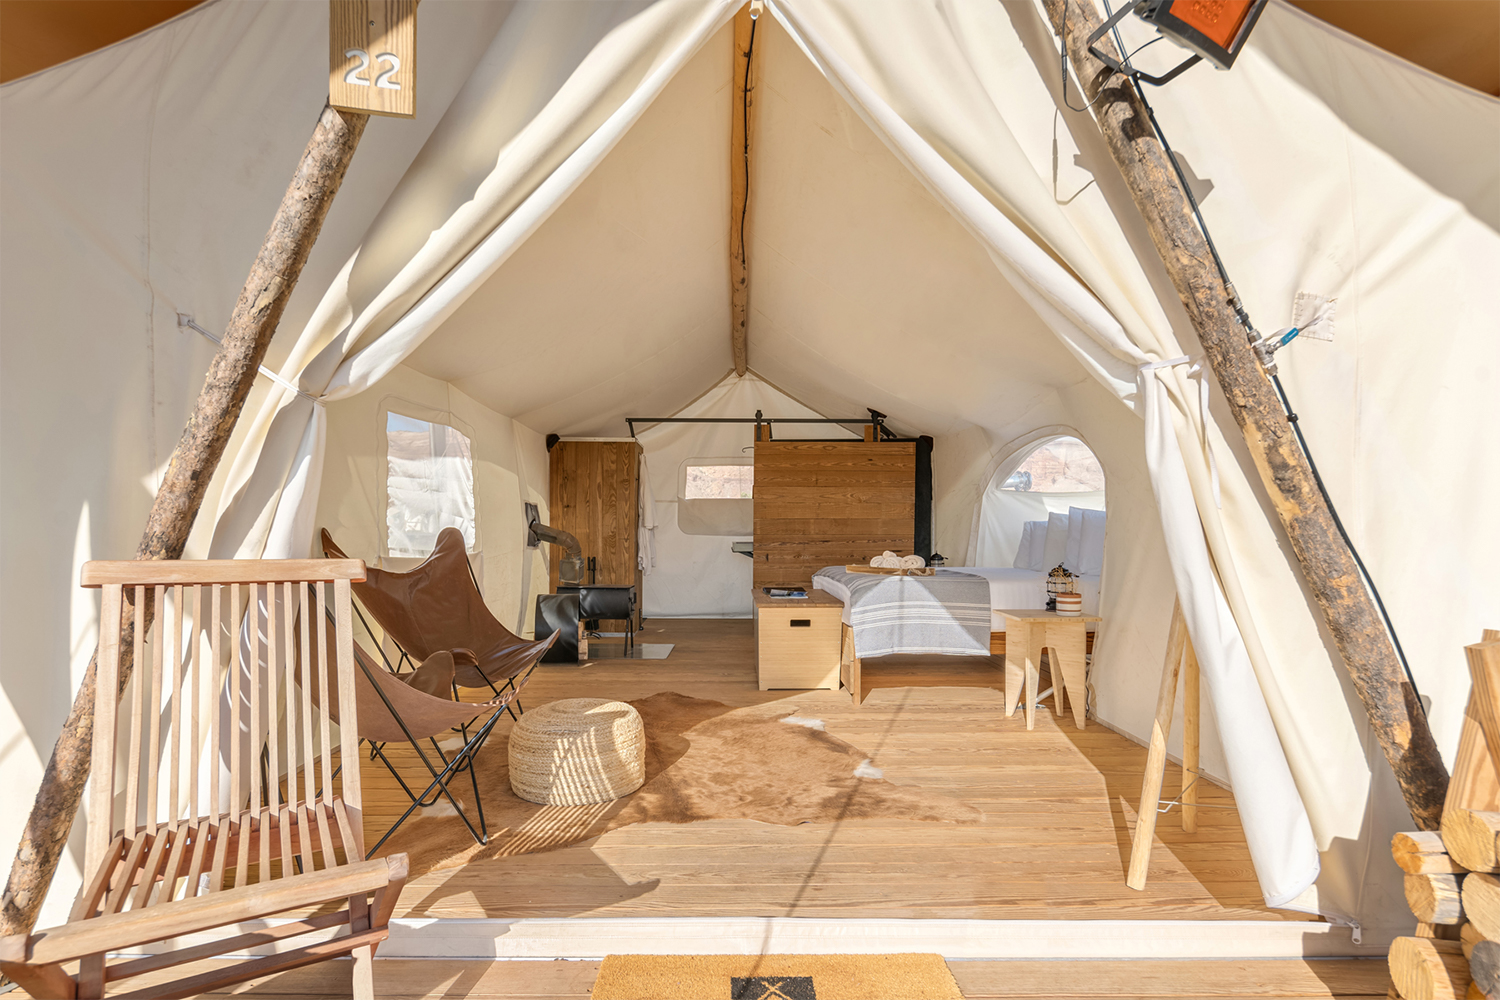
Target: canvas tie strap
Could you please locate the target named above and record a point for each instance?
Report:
(1195, 370)
(183, 319)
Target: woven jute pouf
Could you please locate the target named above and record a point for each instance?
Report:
(577, 752)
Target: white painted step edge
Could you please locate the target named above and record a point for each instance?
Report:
(595, 937)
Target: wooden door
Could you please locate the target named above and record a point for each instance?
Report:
(596, 496)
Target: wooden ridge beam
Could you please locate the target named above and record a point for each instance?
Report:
(231, 374)
(1327, 564)
(741, 133)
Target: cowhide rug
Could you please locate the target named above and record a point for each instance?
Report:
(704, 760)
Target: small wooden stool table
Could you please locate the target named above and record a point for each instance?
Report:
(1027, 633)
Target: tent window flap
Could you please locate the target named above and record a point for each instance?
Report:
(429, 485)
(714, 496)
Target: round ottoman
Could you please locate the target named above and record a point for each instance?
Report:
(577, 752)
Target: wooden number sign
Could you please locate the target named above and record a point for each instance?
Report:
(372, 56)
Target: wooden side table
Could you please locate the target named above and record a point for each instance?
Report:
(797, 640)
(1029, 632)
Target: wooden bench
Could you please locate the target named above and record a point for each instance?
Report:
(173, 848)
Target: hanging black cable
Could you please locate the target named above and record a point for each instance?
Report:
(745, 130)
(1286, 404)
(1291, 416)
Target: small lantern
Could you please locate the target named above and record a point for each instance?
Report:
(1059, 581)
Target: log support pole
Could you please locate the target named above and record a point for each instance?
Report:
(1325, 559)
(230, 377)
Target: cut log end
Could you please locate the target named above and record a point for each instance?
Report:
(1484, 967)
(1435, 899)
(1473, 838)
(1424, 969)
(1481, 898)
(1423, 853)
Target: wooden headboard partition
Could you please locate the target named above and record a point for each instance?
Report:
(828, 503)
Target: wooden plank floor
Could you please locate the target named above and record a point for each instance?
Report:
(1058, 808)
(411, 979)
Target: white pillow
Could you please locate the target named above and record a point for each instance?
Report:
(1038, 544)
(1073, 559)
(1056, 550)
(1023, 551)
(1091, 560)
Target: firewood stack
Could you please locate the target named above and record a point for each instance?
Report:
(1453, 877)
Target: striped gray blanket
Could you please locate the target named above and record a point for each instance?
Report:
(945, 613)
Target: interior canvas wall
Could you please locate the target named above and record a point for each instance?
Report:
(510, 470)
(698, 576)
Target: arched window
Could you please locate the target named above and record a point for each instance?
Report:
(1059, 465)
(1040, 484)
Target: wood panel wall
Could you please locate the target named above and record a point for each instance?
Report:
(595, 494)
(828, 503)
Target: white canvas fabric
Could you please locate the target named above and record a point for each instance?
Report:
(601, 65)
(700, 575)
(645, 550)
(932, 235)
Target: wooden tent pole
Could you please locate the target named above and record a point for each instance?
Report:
(1326, 561)
(742, 117)
(1191, 704)
(230, 376)
(1156, 752)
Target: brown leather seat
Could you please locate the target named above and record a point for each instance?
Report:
(414, 707)
(437, 608)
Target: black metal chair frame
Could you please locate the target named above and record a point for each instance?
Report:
(463, 759)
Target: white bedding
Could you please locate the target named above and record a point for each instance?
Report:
(1009, 589)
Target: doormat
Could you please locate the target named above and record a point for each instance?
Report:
(775, 977)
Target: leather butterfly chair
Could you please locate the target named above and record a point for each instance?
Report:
(412, 708)
(437, 608)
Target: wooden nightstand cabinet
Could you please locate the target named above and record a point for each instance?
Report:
(797, 641)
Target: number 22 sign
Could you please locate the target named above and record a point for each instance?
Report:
(372, 56)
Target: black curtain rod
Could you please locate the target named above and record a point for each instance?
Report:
(876, 417)
(744, 420)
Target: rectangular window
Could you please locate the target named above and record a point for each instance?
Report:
(715, 496)
(719, 482)
(429, 485)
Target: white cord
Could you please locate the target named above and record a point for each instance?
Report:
(1178, 801)
(183, 319)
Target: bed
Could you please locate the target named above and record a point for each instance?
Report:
(1009, 588)
(946, 613)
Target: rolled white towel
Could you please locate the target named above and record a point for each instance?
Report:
(887, 561)
(913, 562)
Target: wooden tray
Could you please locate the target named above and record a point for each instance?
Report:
(888, 571)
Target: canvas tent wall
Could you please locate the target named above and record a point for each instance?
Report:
(915, 205)
(695, 574)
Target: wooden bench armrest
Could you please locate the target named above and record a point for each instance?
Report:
(115, 931)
